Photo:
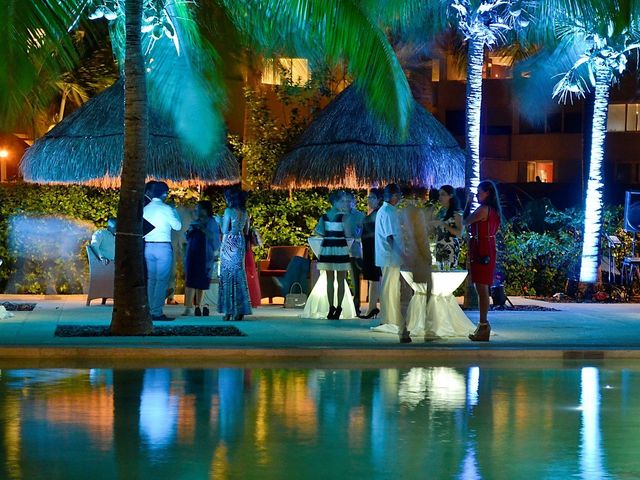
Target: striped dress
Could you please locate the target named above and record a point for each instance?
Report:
(334, 250)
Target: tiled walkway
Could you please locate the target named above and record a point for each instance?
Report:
(575, 331)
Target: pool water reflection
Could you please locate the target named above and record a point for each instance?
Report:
(463, 422)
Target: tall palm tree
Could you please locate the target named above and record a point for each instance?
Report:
(339, 29)
(483, 25)
(603, 34)
(130, 304)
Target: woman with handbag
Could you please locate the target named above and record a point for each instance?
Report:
(483, 225)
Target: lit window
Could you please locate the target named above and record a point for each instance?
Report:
(616, 118)
(498, 67)
(540, 171)
(454, 72)
(435, 70)
(623, 117)
(296, 69)
(633, 109)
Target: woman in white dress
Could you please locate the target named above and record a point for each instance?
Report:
(334, 251)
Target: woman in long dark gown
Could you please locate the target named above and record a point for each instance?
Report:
(370, 271)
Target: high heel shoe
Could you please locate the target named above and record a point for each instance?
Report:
(372, 314)
(332, 312)
(336, 314)
(482, 333)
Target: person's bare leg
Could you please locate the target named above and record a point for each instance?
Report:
(188, 301)
(483, 330)
(188, 296)
(374, 295)
(483, 300)
(199, 295)
(342, 277)
(330, 290)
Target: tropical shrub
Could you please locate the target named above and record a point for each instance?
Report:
(538, 251)
(281, 217)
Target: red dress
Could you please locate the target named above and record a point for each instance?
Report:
(482, 244)
(253, 282)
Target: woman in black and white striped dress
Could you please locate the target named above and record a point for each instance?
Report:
(334, 251)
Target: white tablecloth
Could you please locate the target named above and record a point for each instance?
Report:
(441, 316)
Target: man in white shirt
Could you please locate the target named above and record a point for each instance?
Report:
(158, 253)
(103, 242)
(388, 241)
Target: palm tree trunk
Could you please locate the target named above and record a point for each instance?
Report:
(475, 59)
(131, 309)
(593, 200)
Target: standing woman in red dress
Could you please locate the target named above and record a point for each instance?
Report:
(483, 224)
(253, 281)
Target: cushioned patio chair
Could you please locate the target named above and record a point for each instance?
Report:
(275, 266)
(100, 278)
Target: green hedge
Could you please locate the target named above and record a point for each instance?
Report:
(539, 249)
(282, 219)
(84, 206)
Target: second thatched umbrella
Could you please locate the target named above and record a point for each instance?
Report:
(87, 147)
(348, 146)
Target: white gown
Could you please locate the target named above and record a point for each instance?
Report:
(317, 305)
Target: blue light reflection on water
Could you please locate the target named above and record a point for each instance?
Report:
(424, 422)
(590, 438)
(158, 408)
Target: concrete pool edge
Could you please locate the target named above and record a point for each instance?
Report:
(163, 354)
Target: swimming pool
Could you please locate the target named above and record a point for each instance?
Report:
(473, 421)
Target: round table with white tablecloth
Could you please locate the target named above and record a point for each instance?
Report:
(317, 305)
(441, 316)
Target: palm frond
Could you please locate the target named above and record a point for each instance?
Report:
(535, 78)
(413, 20)
(341, 30)
(34, 38)
(184, 75)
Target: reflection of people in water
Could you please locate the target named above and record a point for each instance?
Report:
(231, 394)
(158, 410)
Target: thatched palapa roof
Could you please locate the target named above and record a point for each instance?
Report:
(87, 147)
(347, 145)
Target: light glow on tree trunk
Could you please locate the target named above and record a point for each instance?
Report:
(474, 109)
(593, 200)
